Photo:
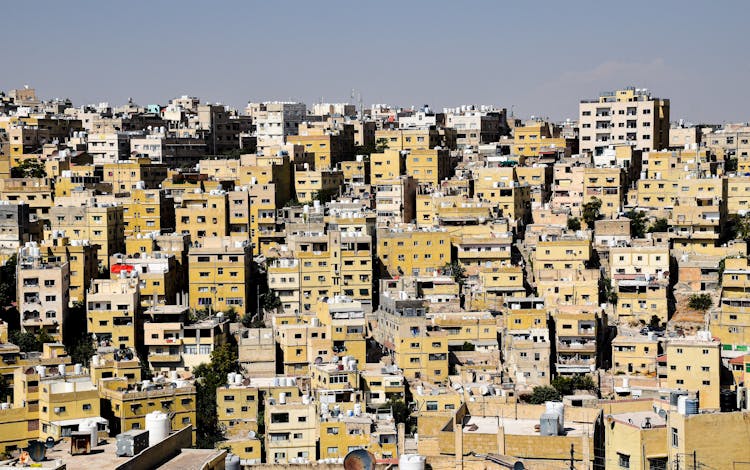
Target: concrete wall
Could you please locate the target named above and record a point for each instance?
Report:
(156, 455)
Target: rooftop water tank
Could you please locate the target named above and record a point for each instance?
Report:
(158, 426)
(411, 462)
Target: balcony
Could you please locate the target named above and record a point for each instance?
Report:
(164, 358)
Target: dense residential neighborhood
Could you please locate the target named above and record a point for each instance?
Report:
(456, 288)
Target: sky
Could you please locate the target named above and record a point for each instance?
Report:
(538, 58)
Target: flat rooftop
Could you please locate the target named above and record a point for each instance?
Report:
(191, 459)
(526, 427)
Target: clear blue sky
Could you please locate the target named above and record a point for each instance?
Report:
(540, 56)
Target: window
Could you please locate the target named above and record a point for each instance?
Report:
(432, 406)
(623, 460)
(675, 437)
(333, 431)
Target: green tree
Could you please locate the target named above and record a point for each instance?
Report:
(29, 169)
(82, 349)
(399, 409)
(659, 225)
(210, 377)
(574, 223)
(467, 346)
(542, 394)
(270, 301)
(456, 270)
(606, 292)
(637, 223)
(592, 211)
(568, 385)
(381, 145)
(700, 302)
(29, 342)
(741, 227)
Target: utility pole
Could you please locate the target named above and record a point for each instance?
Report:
(695, 460)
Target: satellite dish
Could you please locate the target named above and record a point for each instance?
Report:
(50, 442)
(518, 466)
(251, 434)
(37, 450)
(359, 459)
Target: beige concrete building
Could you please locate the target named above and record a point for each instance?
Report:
(629, 115)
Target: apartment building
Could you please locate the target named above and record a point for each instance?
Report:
(291, 429)
(576, 335)
(274, 121)
(694, 364)
(203, 214)
(43, 292)
(219, 274)
(527, 346)
(102, 224)
(410, 251)
(126, 409)
(113, 312)
(634, 355)
(629, 115)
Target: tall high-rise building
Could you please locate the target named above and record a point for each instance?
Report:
(630, 115)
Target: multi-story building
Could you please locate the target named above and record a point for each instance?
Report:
(43, 292)
(274, 121)
(630, 115)
(157, 275)
(607, 185)
(126, 408)
(81, 257)
(15, 228)
(148, 210)
(694, 364)
(219, 274)
(202, 215)
(429, 165)
(113, 312)
(328, 146)
(317, 185)
(576, 335)
(640, 277)
(395, 201)
(410, 251)
(291, 429)
(634, 355)
(527, 345)
(101, 224)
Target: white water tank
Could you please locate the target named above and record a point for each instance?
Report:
(411, 462)
(305, 399)
(172, 375)
(78, 369)
(41, 371)
(282, 398)
(238, 378)
(357, 409)
(90, 426)
(230, 378)
(61, 369)
(158, 426)
(4, 406)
